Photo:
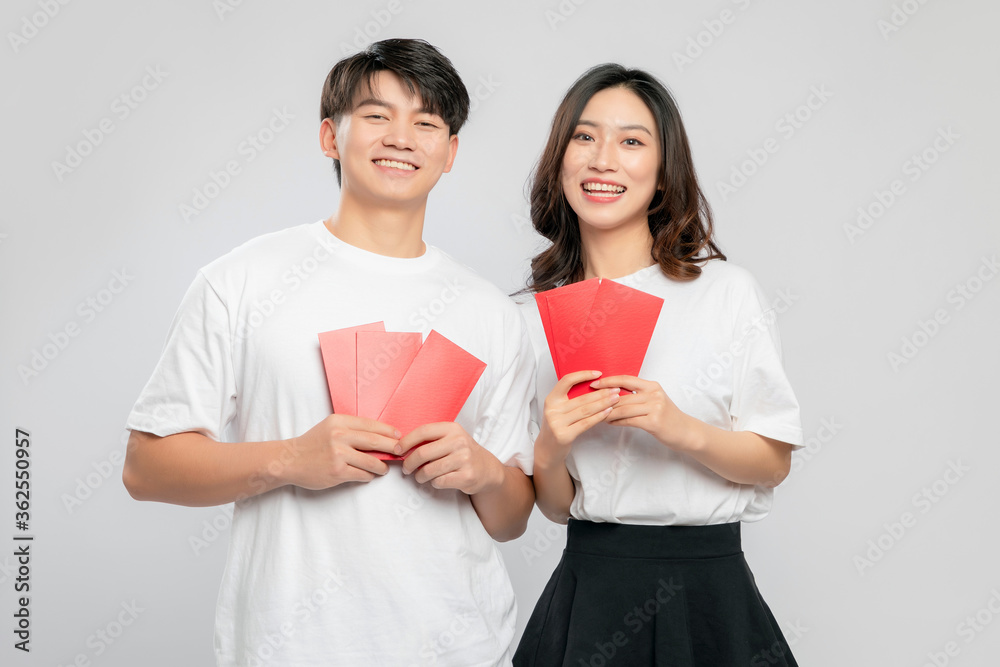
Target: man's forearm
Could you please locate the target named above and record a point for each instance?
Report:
(505, 509)
(194, 470)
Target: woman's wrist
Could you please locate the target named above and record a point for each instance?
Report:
(548, 455)
(693, 436)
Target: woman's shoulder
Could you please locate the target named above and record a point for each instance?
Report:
(726, 272)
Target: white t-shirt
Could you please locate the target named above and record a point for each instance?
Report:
(388, 572)
(715, 351)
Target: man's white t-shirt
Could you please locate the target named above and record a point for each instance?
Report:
(716, 353)
(389, 572)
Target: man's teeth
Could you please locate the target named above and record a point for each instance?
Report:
(395, 165)
(603, 189)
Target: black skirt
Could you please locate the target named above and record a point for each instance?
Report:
(681, 596)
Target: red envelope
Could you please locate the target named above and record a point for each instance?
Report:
(435, 386)
(572, 304)
(383, 357)
(597, 324)
(340, 359)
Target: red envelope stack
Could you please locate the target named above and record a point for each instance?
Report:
(599, 325)
(390, 376)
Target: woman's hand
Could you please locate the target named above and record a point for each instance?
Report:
(564, 418)
(645, 405)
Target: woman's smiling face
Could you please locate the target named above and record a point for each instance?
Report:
(611, 167)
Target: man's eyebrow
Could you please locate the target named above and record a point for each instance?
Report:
(590, 123)
(373, 101)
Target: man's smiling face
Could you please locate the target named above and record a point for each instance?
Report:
(391, 149)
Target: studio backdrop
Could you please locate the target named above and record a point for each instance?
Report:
(849, 152)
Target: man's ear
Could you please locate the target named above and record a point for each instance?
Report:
(328, 138)
(452, 150)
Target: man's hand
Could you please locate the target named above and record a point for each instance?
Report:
(450, 459)
(334, 451)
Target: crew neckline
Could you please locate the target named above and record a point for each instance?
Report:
(370, 259)
(636, 275)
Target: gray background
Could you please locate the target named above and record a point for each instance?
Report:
(880, 433)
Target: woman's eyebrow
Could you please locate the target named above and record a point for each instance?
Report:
(636, 126)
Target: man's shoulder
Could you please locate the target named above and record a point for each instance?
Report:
(269, 251)
(468, 280)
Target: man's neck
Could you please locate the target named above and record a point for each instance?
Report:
(390, 231)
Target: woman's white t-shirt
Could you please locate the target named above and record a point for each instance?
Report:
(716, 353)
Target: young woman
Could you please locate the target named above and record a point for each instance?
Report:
(654, 474)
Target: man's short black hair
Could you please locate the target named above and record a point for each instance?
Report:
(423, 69)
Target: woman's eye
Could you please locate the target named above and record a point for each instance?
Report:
(633, 142)
(583, 136)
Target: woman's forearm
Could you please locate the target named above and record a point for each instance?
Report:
(554, 489)
(743, 457)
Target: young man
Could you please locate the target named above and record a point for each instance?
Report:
(336, 557)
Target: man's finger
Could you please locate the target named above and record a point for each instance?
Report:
(370, 425)
(435, 468)
(424, 433)
(421, 454)
(368, 441)
(366, 462)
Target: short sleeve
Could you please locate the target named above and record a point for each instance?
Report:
(763, 400)
(193, 386)
(503, 426)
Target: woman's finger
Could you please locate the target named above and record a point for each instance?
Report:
(567, 381)
(629, 382)
(601, 401)
(620, 412)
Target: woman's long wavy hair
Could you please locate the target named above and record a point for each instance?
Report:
(680, 220)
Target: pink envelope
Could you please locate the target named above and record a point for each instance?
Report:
(383, 357)
(603, 326)
(392, 377)
(340, 358)
(435, 386)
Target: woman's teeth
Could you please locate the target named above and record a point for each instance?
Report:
(603, 189)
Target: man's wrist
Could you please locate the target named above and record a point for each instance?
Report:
(281, 457)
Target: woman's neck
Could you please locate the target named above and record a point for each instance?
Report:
(614, 253)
